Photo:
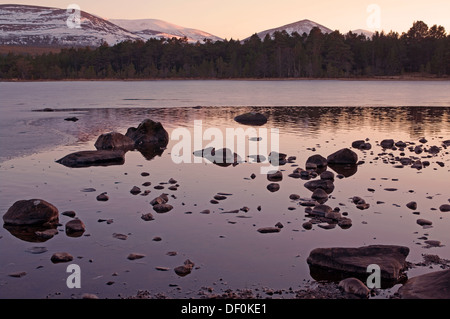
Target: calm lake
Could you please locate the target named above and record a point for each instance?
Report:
(312, 117)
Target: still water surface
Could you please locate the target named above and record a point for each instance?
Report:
(314, 117)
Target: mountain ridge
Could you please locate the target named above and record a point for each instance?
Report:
(34, 25)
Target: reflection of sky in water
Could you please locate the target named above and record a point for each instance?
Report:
(224, 246)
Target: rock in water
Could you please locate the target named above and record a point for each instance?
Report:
(31, 212)
(148, 133)
(318, 160)
(412, 205)
(267, 230)
(434, 285)
(162, 208)
(251, 118)
(61, 257)
(444, 208)
(354, 261)
(113, 141)
(343, 156)
(185, 269)
(389, 143)
(93, 158)
(275, 177)
(75, 226)
(354, 286)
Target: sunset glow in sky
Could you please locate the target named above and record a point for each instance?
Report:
(239, 19)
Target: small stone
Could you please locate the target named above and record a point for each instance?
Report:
(120, 236)
(205, 212)
(147, 217)
(61, 257)
(294, 196)
(71, 214)
(102, 197)
(157, 238)
(134, 256)
(412, 205)
(47, 234)
(424, 222)
(145, 174)
(75, 226)
(444, 208)
(307, 225)
(267, 230)
(17, 274)
(162, 208)
(279, 225)
(354, 286)
(433, 243)
(135, 190)
(273, 187)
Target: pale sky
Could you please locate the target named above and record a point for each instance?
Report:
(239, 19)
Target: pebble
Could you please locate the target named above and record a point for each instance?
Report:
(61, 257)
(102, 197)
(423, 222)
(134, 256)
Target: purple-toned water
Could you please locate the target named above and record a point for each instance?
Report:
(313, 117)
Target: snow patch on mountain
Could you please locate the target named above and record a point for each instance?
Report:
(154, 28)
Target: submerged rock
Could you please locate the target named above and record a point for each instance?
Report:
(251, 118)
(326, 185)
(444, 208)
(31, 212)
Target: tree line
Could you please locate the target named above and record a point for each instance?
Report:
(421, 50)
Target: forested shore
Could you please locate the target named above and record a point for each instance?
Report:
(421, 52)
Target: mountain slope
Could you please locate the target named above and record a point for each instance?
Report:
(302, 26)
(154, 28)
(34, 25)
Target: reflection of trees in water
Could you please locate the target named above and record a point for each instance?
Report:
(309, 121)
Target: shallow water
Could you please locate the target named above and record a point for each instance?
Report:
(226, 248)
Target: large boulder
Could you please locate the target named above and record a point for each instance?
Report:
(340, 262)
(148, 133)
(251, 118)
(113, 141)
(31, 212)
(343, 156)
(93, 158)
(434, 285)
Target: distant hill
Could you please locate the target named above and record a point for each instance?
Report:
(154, 28)
(44, 26)
(302, 26)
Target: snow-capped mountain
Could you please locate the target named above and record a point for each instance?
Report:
(302, 26)
(154, 28)
(367, 33)
(34, 25)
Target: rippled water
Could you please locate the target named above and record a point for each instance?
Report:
(312, 117)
